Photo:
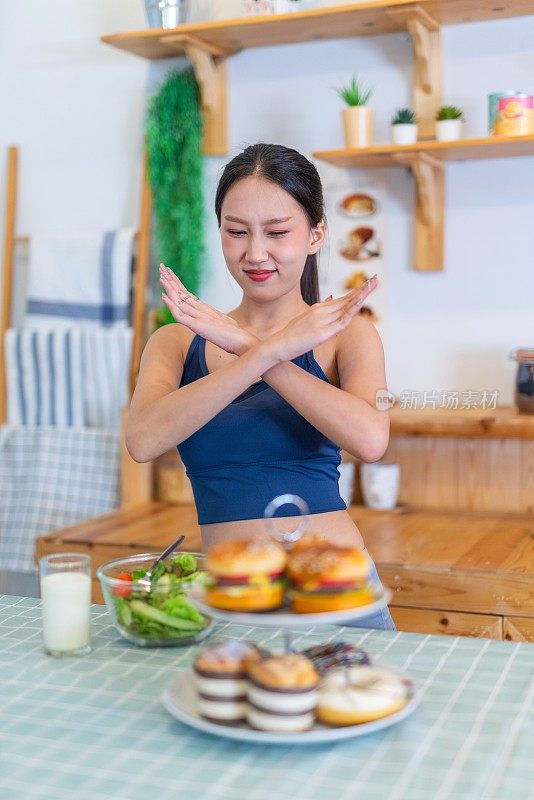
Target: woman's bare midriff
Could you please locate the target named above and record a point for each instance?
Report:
(335, 525)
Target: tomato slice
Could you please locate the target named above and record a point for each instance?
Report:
(243, 580)
(328, 584)
(123, 591)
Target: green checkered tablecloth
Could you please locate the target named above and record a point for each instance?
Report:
(93, 727)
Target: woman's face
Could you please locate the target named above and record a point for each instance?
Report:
(266, 238)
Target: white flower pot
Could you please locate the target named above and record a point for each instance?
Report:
(380, 484)
(404, 133)
(448, 129)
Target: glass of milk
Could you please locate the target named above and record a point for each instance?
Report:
(66, 603)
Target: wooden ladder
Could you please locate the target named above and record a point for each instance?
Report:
(136, 479)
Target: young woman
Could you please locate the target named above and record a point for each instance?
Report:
(260, 400)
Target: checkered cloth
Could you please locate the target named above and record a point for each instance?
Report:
(51, 478)
(93, 728)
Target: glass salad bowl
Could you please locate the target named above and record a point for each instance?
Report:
(156, 612)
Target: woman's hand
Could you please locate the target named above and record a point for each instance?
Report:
(318, 323)
(201, 318)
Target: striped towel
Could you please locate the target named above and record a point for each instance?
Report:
(80, 279)
(45, 378)
(71, 377)
(51, 478)
(106, 363)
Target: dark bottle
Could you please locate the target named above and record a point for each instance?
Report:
(524, 387)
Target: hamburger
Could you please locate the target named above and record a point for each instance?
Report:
(246, 575)
(326, 577)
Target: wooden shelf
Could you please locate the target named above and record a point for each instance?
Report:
(354, 19)
(426, 160)
(504, 422)
(209, 44)
(390, 155)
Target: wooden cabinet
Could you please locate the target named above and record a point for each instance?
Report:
(451, 623)
(518, 629)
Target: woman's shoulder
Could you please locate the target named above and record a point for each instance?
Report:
(360, 336)
(173, 338)
(360, 327)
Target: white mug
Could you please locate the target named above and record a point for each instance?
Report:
(380, 484)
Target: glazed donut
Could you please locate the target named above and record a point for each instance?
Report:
(359, 694)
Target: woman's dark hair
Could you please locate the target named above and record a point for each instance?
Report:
(297, 176)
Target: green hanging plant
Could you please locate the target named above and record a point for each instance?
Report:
(175, 164)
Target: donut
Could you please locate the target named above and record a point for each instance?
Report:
(359, 694)
(329, 656)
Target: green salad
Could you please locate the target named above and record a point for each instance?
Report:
(160, 611)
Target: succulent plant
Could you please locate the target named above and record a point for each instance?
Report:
(404, 116)
(449, 112)
(355, 94)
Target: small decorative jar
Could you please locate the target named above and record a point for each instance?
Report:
(524, 388)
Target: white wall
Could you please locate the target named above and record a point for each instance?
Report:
(76, 107)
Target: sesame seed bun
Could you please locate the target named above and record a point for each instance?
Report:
(237, 557)
(246, 598)
(247, 575)
(328, 562)
(325, 577)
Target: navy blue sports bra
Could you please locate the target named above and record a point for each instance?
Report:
(256, 448)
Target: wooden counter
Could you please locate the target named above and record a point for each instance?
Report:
(461, 573)
(456, 573)
(143, 528)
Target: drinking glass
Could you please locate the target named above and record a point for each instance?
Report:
(65, 580)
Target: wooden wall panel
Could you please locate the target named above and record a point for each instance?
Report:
(454, 473)
(526, 497)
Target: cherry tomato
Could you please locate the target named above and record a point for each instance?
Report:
(123, 591)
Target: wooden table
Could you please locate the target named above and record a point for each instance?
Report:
(455, 573)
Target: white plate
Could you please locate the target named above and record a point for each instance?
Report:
(180, 700)
(284, 618)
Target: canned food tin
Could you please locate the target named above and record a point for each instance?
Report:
(511, 113)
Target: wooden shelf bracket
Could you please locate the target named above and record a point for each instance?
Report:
(209, 64)
(427, 79)
(429, 209)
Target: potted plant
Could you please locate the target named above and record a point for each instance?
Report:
(449, 123)
(404, 126)
(358, 117)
